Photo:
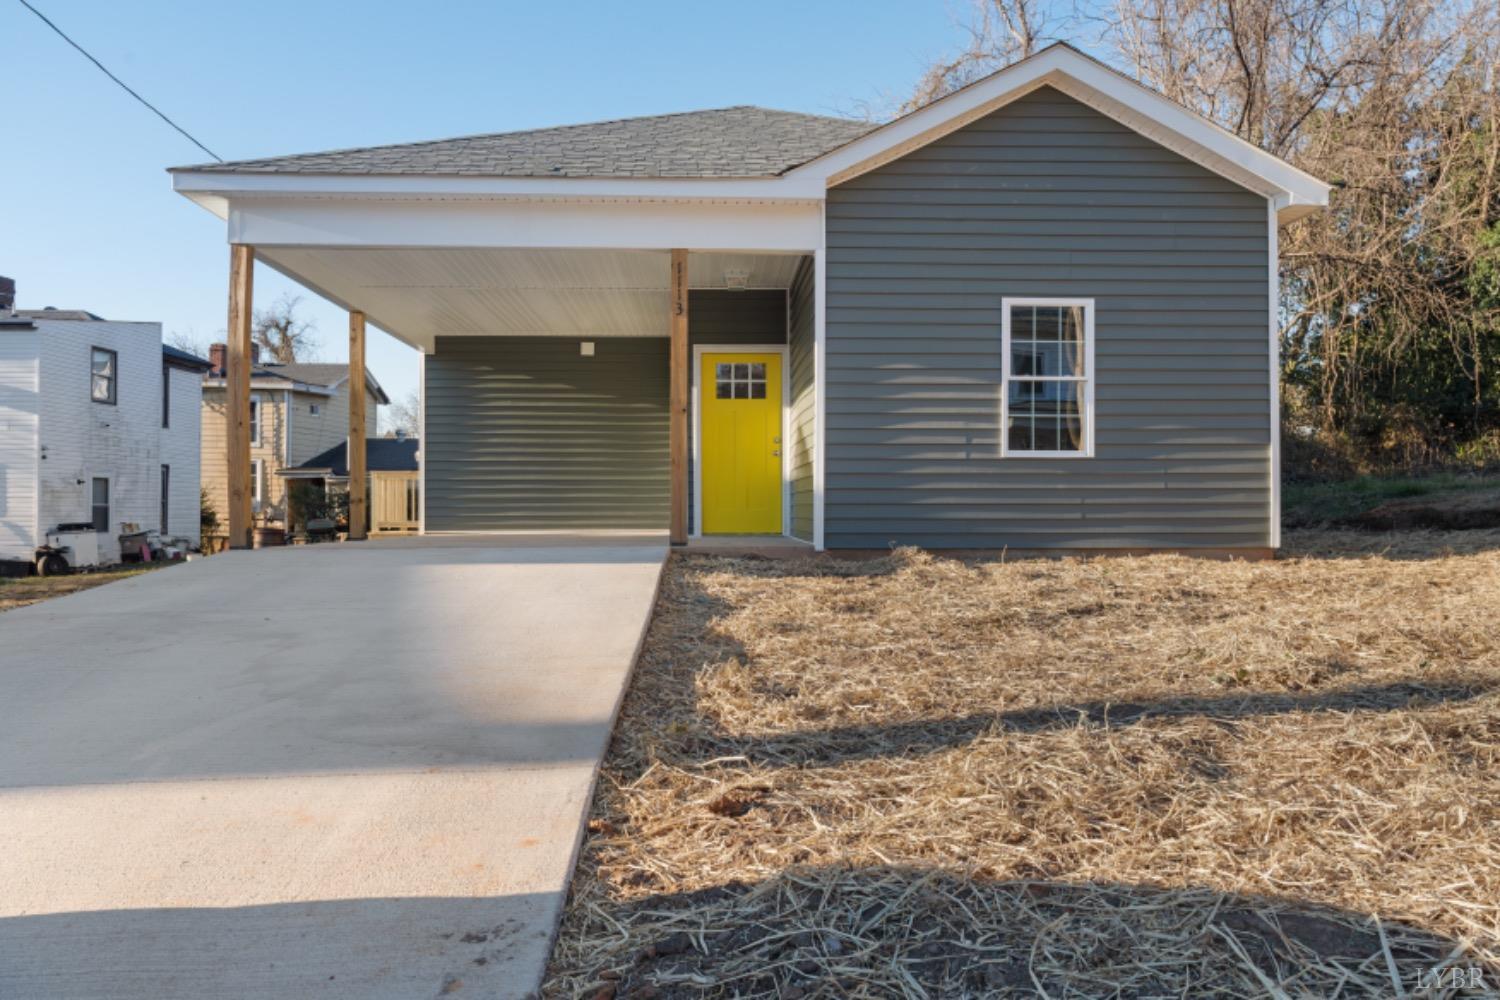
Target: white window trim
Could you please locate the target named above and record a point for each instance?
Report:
(1087, 451)
(256, 415)
(695, 530)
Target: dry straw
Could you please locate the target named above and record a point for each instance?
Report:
(1130, 777)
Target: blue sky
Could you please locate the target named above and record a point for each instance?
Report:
(90, 220)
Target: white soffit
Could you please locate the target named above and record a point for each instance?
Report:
(417, 295)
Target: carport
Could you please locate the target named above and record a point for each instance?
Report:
(557, 317)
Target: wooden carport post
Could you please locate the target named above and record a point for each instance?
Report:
(356, 446)
(678, 397)
(237, 392)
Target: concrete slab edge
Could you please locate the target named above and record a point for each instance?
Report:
(588, 799)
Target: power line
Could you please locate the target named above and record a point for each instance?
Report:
(123, 86)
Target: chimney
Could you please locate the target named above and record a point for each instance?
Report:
(7, 294)
(218, 355)
(254, 353)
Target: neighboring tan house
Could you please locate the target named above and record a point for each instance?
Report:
(1038, 313)
(297, 411)
(98, 436)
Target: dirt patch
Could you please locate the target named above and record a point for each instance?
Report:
(1464, 511)
(1131, 776)
(17, 592)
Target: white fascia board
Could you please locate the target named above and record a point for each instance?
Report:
(784, 227)
(274, 383)
(1102, 88)
(202, 186)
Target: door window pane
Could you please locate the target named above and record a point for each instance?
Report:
(740, 380)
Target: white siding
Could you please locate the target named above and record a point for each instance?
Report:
(180, 450)
(18, 441)
(82, 440)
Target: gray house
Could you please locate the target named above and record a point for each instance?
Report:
(1038, 313)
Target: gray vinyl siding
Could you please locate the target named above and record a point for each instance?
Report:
(1046, 197)
(749, 316)
(525, 433)
(803, 399)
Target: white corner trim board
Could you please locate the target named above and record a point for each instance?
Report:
(1273, 253)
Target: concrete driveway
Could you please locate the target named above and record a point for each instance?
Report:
(331, 771)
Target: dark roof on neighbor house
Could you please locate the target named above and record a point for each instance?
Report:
(743, 141)
(381, 455)
(184, 359)
(51, 313)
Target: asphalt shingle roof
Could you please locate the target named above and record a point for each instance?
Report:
(381, 455)
(744, 141)
(184, 359)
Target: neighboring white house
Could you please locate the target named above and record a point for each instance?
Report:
(99, 426)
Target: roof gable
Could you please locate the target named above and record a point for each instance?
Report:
(1107, 91)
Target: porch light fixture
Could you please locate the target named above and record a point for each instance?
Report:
(586, 348)
(736, 278)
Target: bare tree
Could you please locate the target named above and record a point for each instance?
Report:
(281, 334)
(1393, 100)
(404, 417)
(188, 342)
(1000, 32)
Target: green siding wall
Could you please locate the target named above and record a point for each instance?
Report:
(523, 432)
(1047, 197)
(803, 397)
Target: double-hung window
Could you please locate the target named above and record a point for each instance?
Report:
(1047, 369)
(255, 421)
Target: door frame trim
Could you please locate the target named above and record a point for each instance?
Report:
(696, 530)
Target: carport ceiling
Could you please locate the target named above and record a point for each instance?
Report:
(418, 295)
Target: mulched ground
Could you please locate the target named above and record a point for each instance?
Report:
(1134, 777)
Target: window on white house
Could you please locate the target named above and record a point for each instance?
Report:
(100, 503)
(166, 396)
(103, 364)
(255, 421)
(1046, 400)
(314, 409)
(257, 482)
(166, 496)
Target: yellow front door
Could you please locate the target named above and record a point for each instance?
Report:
(741, 446)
